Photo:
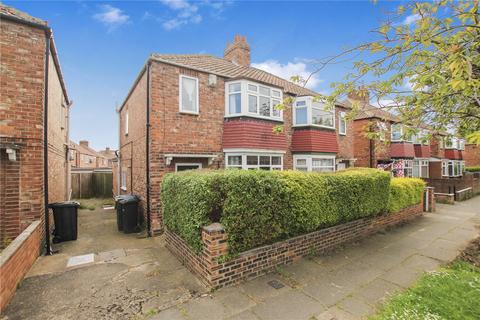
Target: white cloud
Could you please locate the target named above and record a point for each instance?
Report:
(186, 12)
(411, 19)
(111, 16)
(286, 71)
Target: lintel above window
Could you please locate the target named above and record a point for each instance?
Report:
(308, 112)
(247, 98)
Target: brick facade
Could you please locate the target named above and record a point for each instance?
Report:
(471, 155)
(214, 273)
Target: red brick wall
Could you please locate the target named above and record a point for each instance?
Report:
(251, 133)
(402, 150)
(422, 151)
(314, 140)
(471, 155)
(215, 274)
(453, 154)
(435, 149)
(22, 51)
(19, 257)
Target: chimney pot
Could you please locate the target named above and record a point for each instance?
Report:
(238, 52)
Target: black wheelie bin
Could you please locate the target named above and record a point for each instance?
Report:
(65, 216)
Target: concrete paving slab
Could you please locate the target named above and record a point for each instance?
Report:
(258, 289)
(298, 273)
(245, 315)
(288, 305)
(205, 309)
(326, 292)
(169, 314)
(402, 276)
(421, 263)
(234, 300)
(382, 260)
(377, 291)
(112, 255)
(80, 260)
(335, 313)
(356, 307)
(442, 249)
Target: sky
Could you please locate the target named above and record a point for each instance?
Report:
(103, 45)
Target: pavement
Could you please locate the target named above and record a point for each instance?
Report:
(134, 278)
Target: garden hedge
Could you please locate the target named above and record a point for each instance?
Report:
(473, 169)
(260, 207)
(405, 192)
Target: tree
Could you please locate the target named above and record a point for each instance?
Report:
(424, 66)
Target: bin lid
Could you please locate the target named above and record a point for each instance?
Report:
(128, 198)
(64, 204)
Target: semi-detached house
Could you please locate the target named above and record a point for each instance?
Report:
(201, 111)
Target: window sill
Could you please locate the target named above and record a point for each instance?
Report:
(189, 113)
(123, 188)
(312, 126)
(252, 116)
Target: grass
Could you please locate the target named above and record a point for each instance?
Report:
(452, 293)
(93, 203)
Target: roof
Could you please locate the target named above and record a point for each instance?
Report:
(227, 69)
(367, 111)
(10, 13)
(85, 150)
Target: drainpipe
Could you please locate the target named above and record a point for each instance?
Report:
(48, 251)
(147, 135)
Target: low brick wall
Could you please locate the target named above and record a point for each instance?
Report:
(447, 198)
(214, 273)
(16, 259)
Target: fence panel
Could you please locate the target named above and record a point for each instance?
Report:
(92, 184)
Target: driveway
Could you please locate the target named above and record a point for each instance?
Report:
(139, 279)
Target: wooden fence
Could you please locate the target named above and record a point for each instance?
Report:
(92, 184)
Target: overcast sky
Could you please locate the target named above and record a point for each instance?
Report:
(103, 45)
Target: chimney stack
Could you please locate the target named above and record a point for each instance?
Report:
(107, 149)
(83, 143)
(238, 52)
(360, 95)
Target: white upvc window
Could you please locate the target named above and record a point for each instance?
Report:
(188, 95)
(342, 124)
(308, 112)
(453, 168)
(420, 168)
(247, 98)
(399, 134)
(126, 122)
(382, 130)
(420, 137)
(254, 161)
(187, 166)
(316, 163)
(452, 143)
(445, 168)
(461, 144)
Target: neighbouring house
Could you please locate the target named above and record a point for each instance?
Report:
(471, 155)
(34, 136)
(110, 155)
(436, 158)
(84, 157)
(200, 111)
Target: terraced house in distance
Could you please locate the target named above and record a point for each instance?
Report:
(201, 111)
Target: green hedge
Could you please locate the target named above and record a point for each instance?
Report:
(261, 207)
(473, 169)
(405, 192)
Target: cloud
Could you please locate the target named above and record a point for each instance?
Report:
(111, 16)
(286, 71)
(411, 19)
(185, 12)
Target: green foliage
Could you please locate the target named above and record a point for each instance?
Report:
(261, 207)
(450, 293)
(405, 192)
(472, 169)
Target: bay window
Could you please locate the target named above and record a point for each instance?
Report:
(254, 161)
(420, 137)
(252, 99)
(420, 168)
(399, 133)
(317, 163)
(453, 168)
(382, 130)
(312, 113)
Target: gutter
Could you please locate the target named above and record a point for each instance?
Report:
(147, 135)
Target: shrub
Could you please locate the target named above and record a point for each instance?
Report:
(473, 169)
(405, 192)
(261, 207)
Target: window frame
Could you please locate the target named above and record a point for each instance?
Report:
(310, 106)
(244, 166)
(198, 164)
(421, 163)
(341, 119)
(180, 99)
(123, 180)
(245, 92)
(126, 123)
(309, 161)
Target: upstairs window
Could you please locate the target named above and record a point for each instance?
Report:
(342, 124)
(312, 113)
(252, 99)
(126, 122)
(382, 130)
(420, 137)
(399, 133)
(188, 94)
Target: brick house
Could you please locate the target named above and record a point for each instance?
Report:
(471, 155)
(110, 155)
(34, 123)
(84, 157)
(439, 157)
(201, 111)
